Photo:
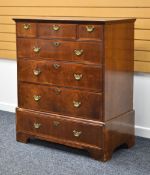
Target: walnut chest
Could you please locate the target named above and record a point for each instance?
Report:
(75, 82)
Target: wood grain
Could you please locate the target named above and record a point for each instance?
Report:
(61, 73)
(62, 103)
(95, 113)
(119, 50)
(49, 51)
(63, 131)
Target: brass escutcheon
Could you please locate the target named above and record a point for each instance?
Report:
(56, 44)
(56, 66)
(36, 97)
(57, 91)
(26, 26)
(36, 72)
(77, 133)
(76, 104)
(37, 125)
(36, 49)
(55, 27)
(56, 123)
(78, 76)
(90, 28)
(78, 52)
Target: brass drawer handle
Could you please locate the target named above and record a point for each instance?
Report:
(36, 72)
(36, 97)
(57, 91)
(77, 133)
(26, 26)
(36, 49)
(37, 125)
(78, 52)
(56, 44)
(56, 123)
(78, 76)
(55, 27)
(90, 28)
(76, 104)
(56, 66)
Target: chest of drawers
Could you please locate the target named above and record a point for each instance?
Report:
(75, 83)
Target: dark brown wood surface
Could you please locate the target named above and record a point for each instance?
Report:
(22, 32)
(96, 34)
(61, 100)
(119, 131)
(45, 30)
(61, 73)
(98, 139)
(95, 110)
(59, 128)
(91, 51)
(78, 20)
(119, 68)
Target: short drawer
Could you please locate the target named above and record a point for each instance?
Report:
(26, 29)
(52, 30)
(61, 73)
(60, 100)
(59, 128)
(90, 32)
(87, 52)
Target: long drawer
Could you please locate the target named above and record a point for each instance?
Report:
(65, 101)
(88, 52)
(60, 73)
(59, 128)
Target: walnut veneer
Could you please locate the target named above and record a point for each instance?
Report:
(75, 83)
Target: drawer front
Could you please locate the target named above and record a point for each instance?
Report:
(26, 29)
(90, 32)
(60, 100)
(61, 73)
(60, 50)
(59, 128)
(52, 30)
(25, 47)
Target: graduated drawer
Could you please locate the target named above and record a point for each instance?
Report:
(60, 100)
(58, 128)
(90, 32)
(60, 73)
(25, 29)
(89, 52)
(57, 30)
